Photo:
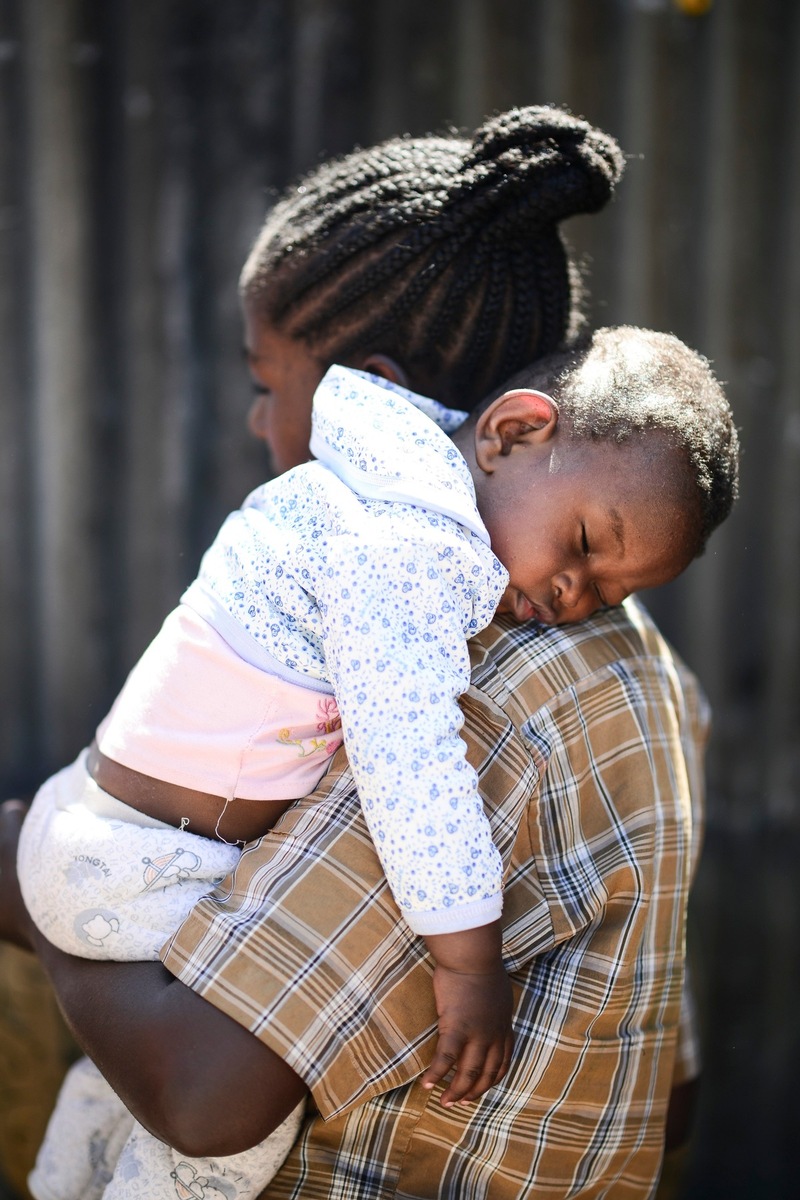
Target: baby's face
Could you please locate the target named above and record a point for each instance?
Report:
(580, 525)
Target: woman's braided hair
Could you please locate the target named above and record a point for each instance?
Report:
(442, 252)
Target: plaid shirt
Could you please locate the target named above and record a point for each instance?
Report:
(588, 742)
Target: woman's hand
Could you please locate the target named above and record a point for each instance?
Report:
(15, 924)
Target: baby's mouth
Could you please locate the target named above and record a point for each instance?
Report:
(522, 609)
(544, 615)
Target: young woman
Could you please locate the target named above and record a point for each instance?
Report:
(436, 262)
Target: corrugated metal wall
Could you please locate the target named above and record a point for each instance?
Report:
(138, 139)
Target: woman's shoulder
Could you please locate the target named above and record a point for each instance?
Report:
(619, 648)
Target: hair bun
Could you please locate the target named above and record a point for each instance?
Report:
(561, 163)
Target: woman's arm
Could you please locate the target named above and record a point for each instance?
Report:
(192, 1075)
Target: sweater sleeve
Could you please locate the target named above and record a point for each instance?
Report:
(396, 615)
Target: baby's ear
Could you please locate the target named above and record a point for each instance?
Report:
(521, 416)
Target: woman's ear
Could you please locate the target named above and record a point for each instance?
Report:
(387, 368)
(519, 417)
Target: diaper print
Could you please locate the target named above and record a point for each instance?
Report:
(191, 1186)
(85, 867)
(95, 926)
(174, 867)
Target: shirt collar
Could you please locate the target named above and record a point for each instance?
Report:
(388, 443)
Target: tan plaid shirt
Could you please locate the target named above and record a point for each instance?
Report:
(588, 742)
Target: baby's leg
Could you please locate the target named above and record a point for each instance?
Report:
(149, 1170)
(84, 1137)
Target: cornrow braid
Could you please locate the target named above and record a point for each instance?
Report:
(441, 251)
(481, 284)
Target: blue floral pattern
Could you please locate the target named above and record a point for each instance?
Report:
(364, 574)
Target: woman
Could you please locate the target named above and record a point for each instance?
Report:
(438, 263)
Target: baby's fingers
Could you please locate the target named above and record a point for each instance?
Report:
(469, 1075)
(495, 1067)
(444, 1060)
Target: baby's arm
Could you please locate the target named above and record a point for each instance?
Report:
(396, 651)
(397, 656)
(474, 1006)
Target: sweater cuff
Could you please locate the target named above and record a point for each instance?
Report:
(457, 918)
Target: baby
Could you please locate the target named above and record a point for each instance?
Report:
(337, 603)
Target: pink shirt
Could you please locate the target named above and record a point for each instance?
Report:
(192, 712)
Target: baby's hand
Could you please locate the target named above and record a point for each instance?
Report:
(474, 1004)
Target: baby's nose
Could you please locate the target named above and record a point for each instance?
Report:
(575, 597)
(568, 588)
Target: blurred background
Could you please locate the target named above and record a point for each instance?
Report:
(140, 144)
